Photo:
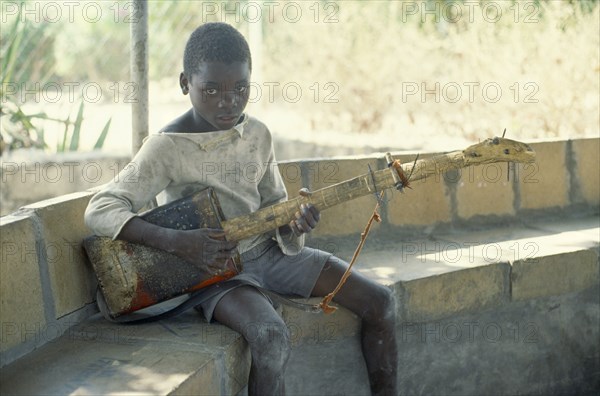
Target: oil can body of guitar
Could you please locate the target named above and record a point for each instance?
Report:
(132, 276)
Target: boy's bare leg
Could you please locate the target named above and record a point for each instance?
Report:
(248, 312)
(374, 304)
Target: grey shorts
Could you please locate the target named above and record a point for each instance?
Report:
(268, 267)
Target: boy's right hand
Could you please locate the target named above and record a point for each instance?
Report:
(206, 248)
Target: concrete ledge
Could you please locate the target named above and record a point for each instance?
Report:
(141, 368)
(564, 175)
(546, 183)
(554, 275)
(444, 295)
(586, 155)
(27, 180)
(428, 202)
(47, 289)
(451, 317)
(484, 190)
(545, 346)
(62, 227)
(21, 296)
(185, 355)
(47, 286)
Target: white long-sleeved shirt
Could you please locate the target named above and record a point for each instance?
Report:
(239, 164)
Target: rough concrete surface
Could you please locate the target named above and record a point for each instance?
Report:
(22, 306)
(543, 345)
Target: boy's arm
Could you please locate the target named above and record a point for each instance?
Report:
(148, 173)
(204, 247)
(112, 211)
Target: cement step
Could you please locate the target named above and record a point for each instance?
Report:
(326, 354)
(185, 355)
(182, 356)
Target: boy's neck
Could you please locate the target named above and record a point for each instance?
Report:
(196, 124)
(199, 124)
(191, 122)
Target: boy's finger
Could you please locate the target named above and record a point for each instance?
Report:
(310, 209)
(303, 225)
(308, 217)
(216, 233)
(215, 230)
(213, 246)
(294, 226)
(227, 246)
(315, 212)
(217, 261)
(217, 238)
(307, 221)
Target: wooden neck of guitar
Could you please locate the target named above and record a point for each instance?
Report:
(272, 217)
(497, 149)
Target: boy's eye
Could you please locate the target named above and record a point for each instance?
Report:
(242, 89)
(211, 91)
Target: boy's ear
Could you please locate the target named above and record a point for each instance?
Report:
(183, 83)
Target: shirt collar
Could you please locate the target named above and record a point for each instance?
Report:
(240, 127)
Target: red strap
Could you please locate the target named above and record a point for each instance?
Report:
(324, 304)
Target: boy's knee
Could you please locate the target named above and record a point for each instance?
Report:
(383, 306)
(269, 343)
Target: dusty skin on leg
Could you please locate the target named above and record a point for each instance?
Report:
(248, 312)
(374, 304)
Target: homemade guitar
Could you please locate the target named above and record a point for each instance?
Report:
(132, 276)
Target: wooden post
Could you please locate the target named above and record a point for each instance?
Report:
(255, 41)
(139, 74)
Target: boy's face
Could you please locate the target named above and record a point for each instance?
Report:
(219, 93)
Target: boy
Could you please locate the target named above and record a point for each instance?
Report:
(216, 134)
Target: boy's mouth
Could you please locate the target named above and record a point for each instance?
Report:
(228, 118)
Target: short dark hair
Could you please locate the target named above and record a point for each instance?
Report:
(215, 42)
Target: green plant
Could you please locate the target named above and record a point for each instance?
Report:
(20, 129)
(70, 139)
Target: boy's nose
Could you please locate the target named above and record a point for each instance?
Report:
(228, 99)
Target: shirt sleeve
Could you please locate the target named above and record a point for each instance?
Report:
(148, 173)
(272, 191)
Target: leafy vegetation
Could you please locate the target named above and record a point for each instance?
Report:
(19, 66)
(355, 62)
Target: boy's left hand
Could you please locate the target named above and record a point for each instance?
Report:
(306, 219)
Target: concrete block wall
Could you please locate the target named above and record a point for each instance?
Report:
(21, 296)
(51, 175)
(530, 328)
(471, 331)
(546, 183)
(495, 285)
(565, 175)
(47, 286)
(585, 183)
(555, 274)
(443, 295)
